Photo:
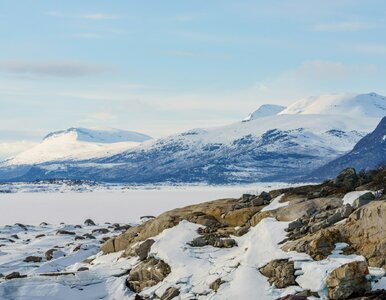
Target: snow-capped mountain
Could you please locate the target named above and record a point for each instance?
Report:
(362, 105)
(265, 110)
(368, 153)
(280, 147)
(79, 144)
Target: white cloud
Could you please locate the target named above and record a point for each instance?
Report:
(53, 68)
(342, 26)
(86, 16)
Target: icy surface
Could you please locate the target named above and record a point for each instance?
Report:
(119, 204)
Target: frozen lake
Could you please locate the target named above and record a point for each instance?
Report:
(121, 206)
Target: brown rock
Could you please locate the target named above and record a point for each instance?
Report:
(348, 280)
(215, 285)
(144, 248)
(148, 273)
(34, 259)
(280, 272)
(170, 293)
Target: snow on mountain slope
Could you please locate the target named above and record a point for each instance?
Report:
(265, 110)
(359, 105)
(78, 144)
(280, 147)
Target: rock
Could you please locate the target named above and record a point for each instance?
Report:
(81, 269)
(39, 236)
(78, 237)
(14, 275)
(265, 196)
(257, 201)
(215, 285)
(170, 293)
(295, 224)
(100, 231)
(89, 222)
(348, 280)
(65, 232)
(22, 226)
(198, 242)
(280, 272)
(363, 200)
(247, 197)
(347, 179)
(53, 253)
(43, 224)
(365, 231)
(225, 243)
(78, 226)
(334, 218)
(241, 230)
(143, 249)
(14, 236)
(372, 295)
(89, 236)
(292, 297)
(345, 211)
(34, 259)
(318, 245)
(146, 274)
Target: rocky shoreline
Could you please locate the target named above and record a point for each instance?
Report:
(325, 241)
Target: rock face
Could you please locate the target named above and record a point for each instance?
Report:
(143, 249)
(365, 231)
(348, 280)
(280, 273)
(147, 273)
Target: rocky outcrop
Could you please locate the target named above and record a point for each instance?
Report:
(348, 280)
(280, 273)
(147, 273)
(365, 231)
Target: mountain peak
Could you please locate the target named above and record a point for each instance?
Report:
(356, 105)
(107, 136)
(266, 110)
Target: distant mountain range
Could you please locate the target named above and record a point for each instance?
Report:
(273, 143)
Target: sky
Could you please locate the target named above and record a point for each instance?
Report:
(162, 67)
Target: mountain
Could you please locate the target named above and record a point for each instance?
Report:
(359, 105)
(265, 110)
(368, 153)
(79, 144)
(281, 147)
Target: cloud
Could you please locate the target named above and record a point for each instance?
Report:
(54, 68)
(342, 26)
(322, 69)
(86, 16)
(370, 49)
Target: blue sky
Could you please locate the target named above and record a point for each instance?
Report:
(161, 67)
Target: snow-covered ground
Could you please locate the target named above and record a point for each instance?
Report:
(108, 203)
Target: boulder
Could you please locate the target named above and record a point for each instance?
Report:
(147, 273)
(347, 179)
(143, 249)
(65, 232)
(170, 293)
(53, 253)
(89, 222)
(280, 272)
(34, 259)
(348, 280)
(100, 231)
(215, 285)
(14, 275)
(363, 200)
